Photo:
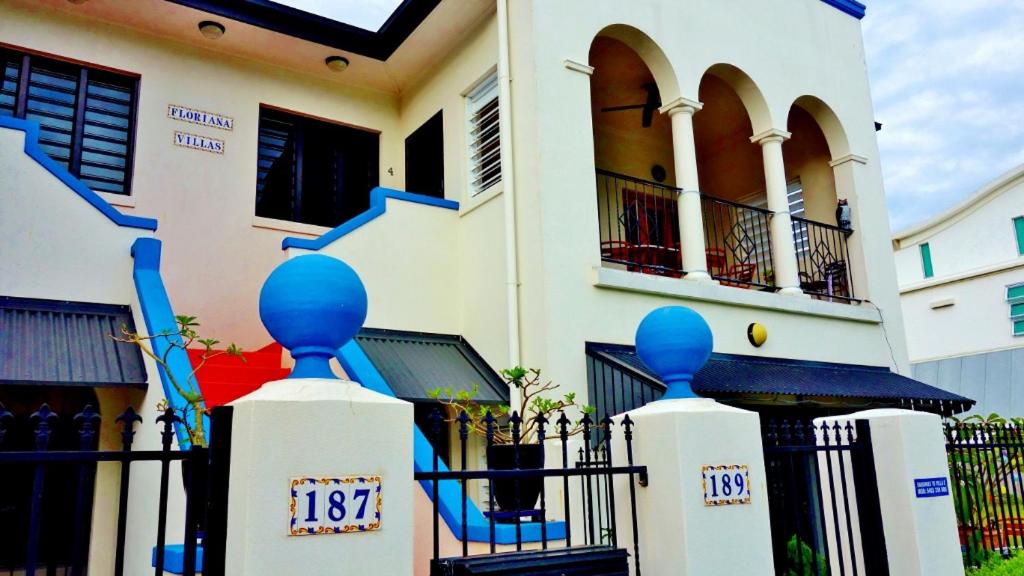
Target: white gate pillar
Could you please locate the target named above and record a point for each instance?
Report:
(321, 477)
(914, 492)
(691, 521)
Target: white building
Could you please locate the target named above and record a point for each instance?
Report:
(961, 278)
(517, 181)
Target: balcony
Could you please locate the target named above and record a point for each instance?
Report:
(640, 232)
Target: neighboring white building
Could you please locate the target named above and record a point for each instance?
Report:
(961, 278)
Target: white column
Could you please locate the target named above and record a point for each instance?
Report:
(920, 527)
(784, 264)
(691, 220)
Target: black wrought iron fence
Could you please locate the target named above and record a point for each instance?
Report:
(639, 224)
(32, 545)
(518, 497)
(738, 242)
(823, 259)
(823, 499)
(986, 463)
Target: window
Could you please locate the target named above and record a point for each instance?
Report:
(86, 116)
(926, 260)
(1018, 227)
(313, 172)
(484, 137)
(801, 234)
(424, 158)
(1015, 297)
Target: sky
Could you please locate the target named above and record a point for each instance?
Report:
(947, 79)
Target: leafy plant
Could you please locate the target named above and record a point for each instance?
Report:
(801, 559)
(985, 458)
(996, 565)
(532, 404)
(183, 337)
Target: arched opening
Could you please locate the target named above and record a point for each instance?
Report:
(732, 181)
(821, 220)
(636, 194)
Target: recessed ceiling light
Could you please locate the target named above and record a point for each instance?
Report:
(336, 63)
(211, 29)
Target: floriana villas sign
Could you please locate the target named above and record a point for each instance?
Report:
(197, 142)
(186, 114)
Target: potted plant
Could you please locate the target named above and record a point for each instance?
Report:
(184, 336)
(503, 452)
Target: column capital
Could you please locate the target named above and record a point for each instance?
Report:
(848, 158)
(771, 135)
(681, 104)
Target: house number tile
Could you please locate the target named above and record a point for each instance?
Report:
(334, 504)
(725, 485)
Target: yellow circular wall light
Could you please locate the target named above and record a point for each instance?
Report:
(757, 334)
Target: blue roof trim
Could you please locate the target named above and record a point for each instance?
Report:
(378, 205)
(32, 149)
(358, 367)
(159, 317)
(851, 7)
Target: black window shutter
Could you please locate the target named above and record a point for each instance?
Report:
(313, 172)
(424, 158)
(86, 116)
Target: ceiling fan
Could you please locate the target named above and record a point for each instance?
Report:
(653, 103)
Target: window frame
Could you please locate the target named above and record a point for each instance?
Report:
(480, 95)
(1015, 297)
(1018, 230)
(302, 124)
(927, 268)
(26, 56)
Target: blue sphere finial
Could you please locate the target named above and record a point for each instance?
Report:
(313, 305)
(675, 342)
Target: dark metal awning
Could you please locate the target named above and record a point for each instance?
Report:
(59, 343)
(780, 380)
(413, 363)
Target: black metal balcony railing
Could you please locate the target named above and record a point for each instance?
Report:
(738, 243)
(639, 230)
(639, 224)
(823, 258)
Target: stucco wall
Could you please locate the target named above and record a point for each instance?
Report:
(974, 257)
(58, 246)
(972, 316)
(789, 50)
(215, 256)
(980, 234)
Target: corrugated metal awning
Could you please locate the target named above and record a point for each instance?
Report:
(736, 376)
(413, 363)
(59, 343)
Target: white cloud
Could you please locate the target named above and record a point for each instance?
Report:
(948, 84)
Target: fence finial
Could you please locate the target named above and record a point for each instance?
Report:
(313, 305)
(675, 342)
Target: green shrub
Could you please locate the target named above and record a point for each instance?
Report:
(802, 563)
(998, 566)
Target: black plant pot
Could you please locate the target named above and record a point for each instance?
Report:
(503, 457)
(197, 499)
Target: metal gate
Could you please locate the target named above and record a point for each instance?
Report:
(604, 549)
(34, 545)
(986, 463)
(823, 499)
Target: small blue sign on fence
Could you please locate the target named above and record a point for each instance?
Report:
(931, 487)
